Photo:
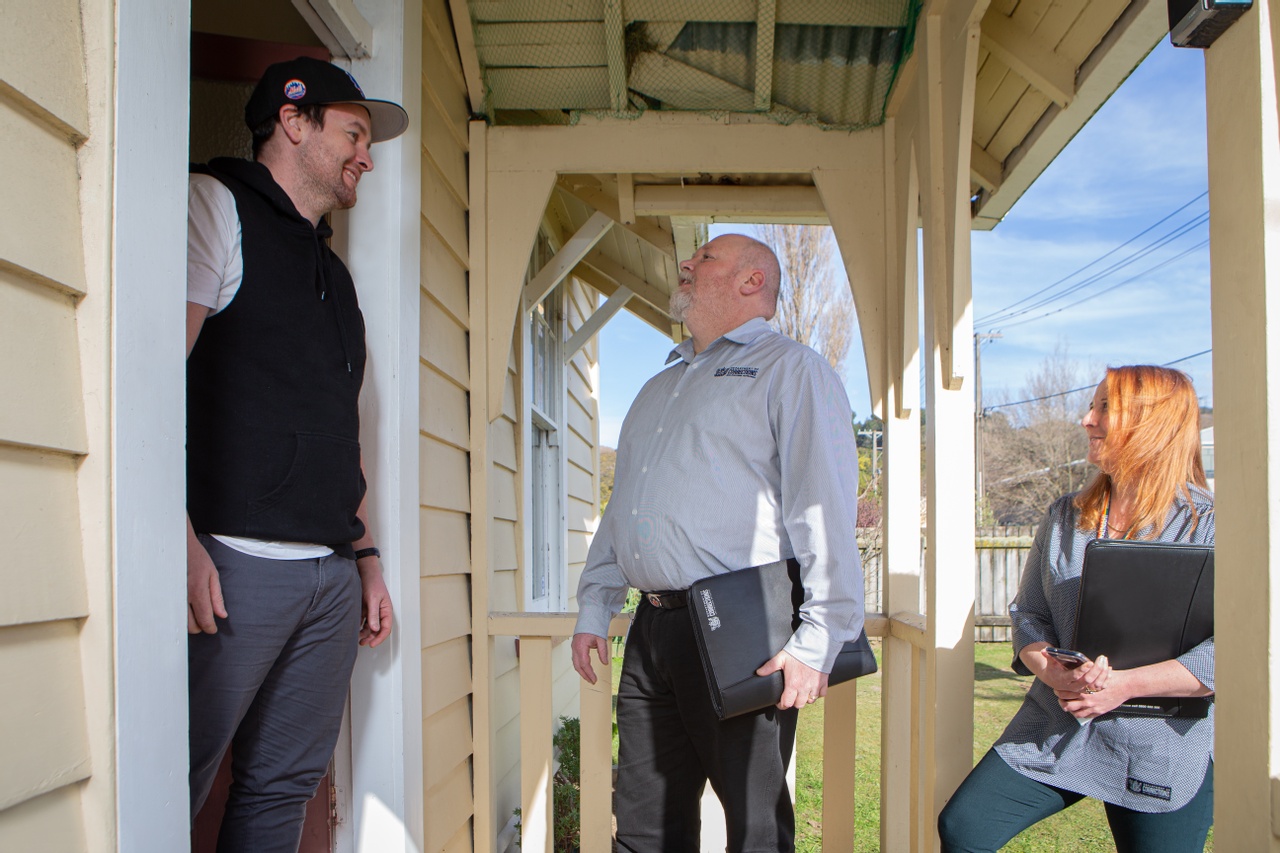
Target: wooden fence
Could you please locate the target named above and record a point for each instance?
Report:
(999, 553)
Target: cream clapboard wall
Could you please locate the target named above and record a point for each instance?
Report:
(55, 655)
(507, 532)
(447, 642)
(582, 466)
(444, 441)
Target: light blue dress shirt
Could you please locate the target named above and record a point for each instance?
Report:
(740, 455)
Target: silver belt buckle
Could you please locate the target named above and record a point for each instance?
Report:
(655, 600)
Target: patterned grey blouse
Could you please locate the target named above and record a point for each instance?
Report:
(1142, 763)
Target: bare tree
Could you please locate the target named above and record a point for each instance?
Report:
(1035, 451)
(815, 306)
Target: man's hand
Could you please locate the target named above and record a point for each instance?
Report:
(375, 603)
(581, 646)
(803, 685)
(204, 590)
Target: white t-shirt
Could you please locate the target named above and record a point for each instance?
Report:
(215, 268)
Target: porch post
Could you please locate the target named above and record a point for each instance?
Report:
(383, 252)
(948, 61)
(900, 555)
(148, 422)
(1244, 190)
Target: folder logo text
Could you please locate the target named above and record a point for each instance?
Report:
(710, 606)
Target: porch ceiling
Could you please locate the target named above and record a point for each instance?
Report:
(1044, 68)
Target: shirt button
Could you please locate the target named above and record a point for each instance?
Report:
(637, 556)
(676, 394)
(659, 429)
(633, 512)
(644, 470)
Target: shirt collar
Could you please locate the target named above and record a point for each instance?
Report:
(744, 334)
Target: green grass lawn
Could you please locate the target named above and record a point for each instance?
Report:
(997, 694)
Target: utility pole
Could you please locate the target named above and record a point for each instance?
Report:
(981, 466)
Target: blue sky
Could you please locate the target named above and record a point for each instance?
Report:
(1139, 159)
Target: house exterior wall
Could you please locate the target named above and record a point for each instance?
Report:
(444, 480)
(508, 485)
(56, 792)
(582, 484)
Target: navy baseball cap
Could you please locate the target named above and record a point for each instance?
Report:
(307, 80)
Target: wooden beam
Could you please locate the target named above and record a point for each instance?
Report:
(339, 25)
(464, 36)
(662, 33)
(690, 234)
(593, 196)
(1030, 58)
(573, 250)
(626, 198)
(641, 308)
(577, 44)
(765, 11)
(596, 322)
(730, 201)
(666, 143)
(641, 287)
(828, 13)
(855, 201)
(985, 169)
(515, 206)
(687, 88)
(615, 50)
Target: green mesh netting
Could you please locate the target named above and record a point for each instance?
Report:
(830, 63)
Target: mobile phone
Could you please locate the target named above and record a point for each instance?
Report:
(1067, 657)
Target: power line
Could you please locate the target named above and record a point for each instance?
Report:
(1087, 387)
(1153, 226)
(1159, 243)
(1106, 290)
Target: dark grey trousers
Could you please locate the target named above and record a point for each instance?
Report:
(671, 744)
(272, 683)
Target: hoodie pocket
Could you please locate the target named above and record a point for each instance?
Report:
(318, 498)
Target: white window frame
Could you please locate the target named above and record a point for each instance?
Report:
(545, 519)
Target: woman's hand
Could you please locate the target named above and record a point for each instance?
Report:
(1108, 692)
(1117, 686)
(1092, 675)
(1093, 702)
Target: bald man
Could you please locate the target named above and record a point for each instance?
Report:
(740, 453)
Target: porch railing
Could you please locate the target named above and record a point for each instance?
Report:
(539, 631)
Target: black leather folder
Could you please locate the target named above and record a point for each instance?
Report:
(742, 619)
(1142, 603)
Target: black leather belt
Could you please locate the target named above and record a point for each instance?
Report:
(669, 599)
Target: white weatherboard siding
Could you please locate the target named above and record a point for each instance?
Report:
(57, 791)
(444, 488)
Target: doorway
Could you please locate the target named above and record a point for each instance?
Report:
(232, 43)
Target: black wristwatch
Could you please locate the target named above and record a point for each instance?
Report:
(368, 552)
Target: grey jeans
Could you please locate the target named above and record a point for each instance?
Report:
(272, 684)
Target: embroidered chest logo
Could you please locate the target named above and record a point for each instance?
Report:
(710, 606)
(1160, 792)
(748, 372)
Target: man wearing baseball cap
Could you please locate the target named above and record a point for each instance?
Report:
(283, 576)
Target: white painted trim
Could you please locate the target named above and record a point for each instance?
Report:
(386, 688)
(148, 387)
(556, 599)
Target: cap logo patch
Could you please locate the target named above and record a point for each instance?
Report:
(295, 89)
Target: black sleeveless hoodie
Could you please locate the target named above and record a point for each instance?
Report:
(273, 382)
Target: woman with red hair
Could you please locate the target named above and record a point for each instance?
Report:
(1154, 774)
